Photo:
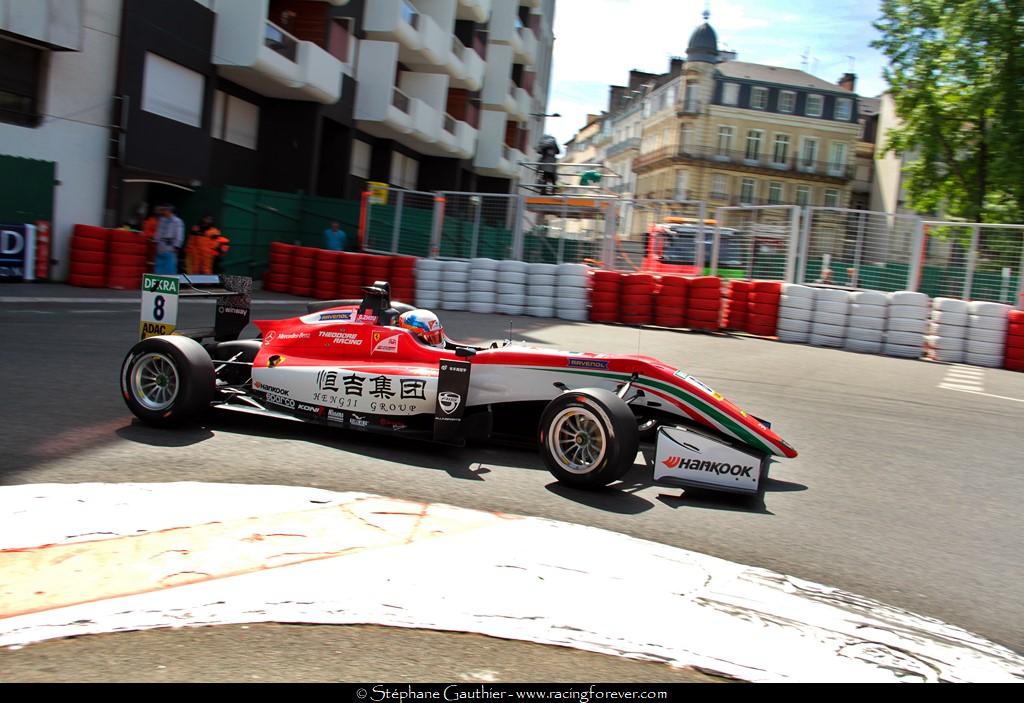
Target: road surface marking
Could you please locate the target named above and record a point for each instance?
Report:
(964, 378)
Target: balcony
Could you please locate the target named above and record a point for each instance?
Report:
(405, 112)
(519, 104)
(690, 107)
(493, 157)
(465, 67)
(423, 44)
(526, 53)
(622, 147)
(457, 139)
(762, 163)
(256, 53)
(478, 11)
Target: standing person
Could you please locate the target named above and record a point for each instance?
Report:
(170, 236)
(335, 238)
(209, 245)
(548, 150)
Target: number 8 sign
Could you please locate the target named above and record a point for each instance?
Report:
(159, 305)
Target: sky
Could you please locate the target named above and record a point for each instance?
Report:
(597, 42)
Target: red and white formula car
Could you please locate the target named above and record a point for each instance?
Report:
(346, 364)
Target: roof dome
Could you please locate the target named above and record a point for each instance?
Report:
(703, 44)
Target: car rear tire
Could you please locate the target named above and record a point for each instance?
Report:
(588, 438)
(166, 381)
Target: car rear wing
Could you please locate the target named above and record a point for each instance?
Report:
(161, 294)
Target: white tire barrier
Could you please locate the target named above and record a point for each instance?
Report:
(859, 334)
(830, 316)
(796, 303)
(566, 294)
(873, 323)
(953, 305)
(906, 325)
(796, 313)
(573, 314)
(863, 310)
(796, 326)
(911, 298)
(985, 322)
(863, 346)
(869, 297)
(795, 290)
(993, 361)
(541, 291)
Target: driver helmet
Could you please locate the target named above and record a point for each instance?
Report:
(423, 324)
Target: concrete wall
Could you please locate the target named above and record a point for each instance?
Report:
(74, 133)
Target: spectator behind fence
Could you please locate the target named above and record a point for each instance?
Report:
(337, 239)
(170, 237)
(207, 245)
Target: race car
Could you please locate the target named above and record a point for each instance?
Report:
(356, 365)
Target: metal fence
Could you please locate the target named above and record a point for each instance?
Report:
(853, 248)
(476, 225)
(756, 241)
(859, 248)
(973, 261)
(400, 224)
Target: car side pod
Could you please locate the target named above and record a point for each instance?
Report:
(588, 437)
(688, 458)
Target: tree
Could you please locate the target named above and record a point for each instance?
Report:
(956, 75)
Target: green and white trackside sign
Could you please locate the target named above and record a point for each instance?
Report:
(159, 305)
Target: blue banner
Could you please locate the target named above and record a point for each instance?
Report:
(17, 252)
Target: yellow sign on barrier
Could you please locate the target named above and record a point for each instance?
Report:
(378, 193)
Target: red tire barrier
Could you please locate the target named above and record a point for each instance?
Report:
(1013, 357)
(605, 292)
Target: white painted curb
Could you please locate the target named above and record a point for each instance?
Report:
(525, 579)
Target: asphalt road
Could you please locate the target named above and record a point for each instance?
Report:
(903, 491)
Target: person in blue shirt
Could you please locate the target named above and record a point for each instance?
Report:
(335, 238)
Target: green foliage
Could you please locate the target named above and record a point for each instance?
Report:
(957, 78)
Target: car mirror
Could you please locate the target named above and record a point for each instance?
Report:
(465, 352)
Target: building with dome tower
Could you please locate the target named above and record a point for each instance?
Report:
(730, 132)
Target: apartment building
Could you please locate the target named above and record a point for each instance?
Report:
(737, 133)
(57, 69)
(139, 101)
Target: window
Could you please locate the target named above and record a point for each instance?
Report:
(831, 197)
(691, 98)
(803, 195)
(720, 186)
(360, 159)
(780, 152)
(681, 183)
(685, 138)
(844, 109)
(730, 93)
(404, 171)
(808, 154)
(724, 140)
(754, 144)
(747, 189)
(814, 105)
(774, 193)
(20, 81)
(787, 101)
(759, 98)
(837, 159)
(235, 120)
(172, 91)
